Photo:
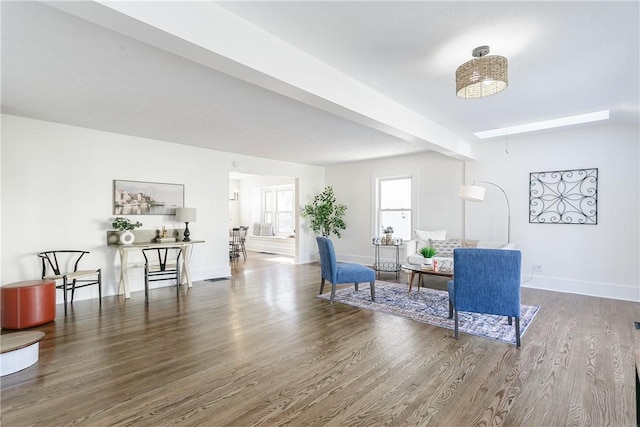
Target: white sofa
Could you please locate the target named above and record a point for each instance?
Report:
(444, 248)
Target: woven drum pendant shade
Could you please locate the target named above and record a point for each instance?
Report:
(482, 76)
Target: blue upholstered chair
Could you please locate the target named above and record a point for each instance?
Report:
(486, 281)
(342, 272)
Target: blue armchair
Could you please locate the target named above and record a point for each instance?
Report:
(341, 272)
(486, 281)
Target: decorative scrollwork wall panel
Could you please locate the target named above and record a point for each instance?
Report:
(564, 197)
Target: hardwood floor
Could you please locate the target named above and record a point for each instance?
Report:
(261, 349)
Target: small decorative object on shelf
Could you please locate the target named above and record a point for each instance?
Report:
(443, 264)
(162, 236)
(388, 235)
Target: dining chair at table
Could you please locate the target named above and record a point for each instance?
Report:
(161, 264)
(243, 238)
(234, 244)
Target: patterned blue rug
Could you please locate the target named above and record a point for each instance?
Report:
(432, 306)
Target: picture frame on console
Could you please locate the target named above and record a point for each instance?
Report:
(146, 198)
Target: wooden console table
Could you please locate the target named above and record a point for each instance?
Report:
(124, 250)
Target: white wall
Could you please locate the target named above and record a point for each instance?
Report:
(436, 179)
(57, 188)
(57, 184)
(599, 260)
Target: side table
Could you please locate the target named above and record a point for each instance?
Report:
(387, 266)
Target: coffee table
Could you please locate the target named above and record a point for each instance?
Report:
(420, 271)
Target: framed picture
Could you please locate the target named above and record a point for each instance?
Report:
(146, 198)
(564, 197)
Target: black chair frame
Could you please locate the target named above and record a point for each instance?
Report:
(70, 280)
(165, 269)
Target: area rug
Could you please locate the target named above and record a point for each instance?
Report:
(432, 306)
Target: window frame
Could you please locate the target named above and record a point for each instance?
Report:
(377, 210)
(274, 210)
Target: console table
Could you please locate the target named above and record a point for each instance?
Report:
(124, 250)
(387, 266)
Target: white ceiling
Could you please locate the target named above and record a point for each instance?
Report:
(85, 64)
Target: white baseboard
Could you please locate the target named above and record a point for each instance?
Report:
(594, 289)
(581, 287)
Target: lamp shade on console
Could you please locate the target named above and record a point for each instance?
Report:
(186, 215)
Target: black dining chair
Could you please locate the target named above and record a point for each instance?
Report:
(161, 264)
(234, 244)
(62, 265)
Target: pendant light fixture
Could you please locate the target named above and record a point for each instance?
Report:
(483, 76)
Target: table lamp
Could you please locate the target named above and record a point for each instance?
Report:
(186, 215)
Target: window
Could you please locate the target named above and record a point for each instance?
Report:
(277, 208)
(394, 206)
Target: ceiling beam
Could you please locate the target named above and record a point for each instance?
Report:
(212, 36)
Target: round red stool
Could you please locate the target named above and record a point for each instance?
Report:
(28, 303)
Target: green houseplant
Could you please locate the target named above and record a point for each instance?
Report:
(428, 252)
(125, 227)
(122, 224)
(324, 214)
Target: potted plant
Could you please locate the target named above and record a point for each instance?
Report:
(324, 214)
(125, 226)
(428, 252)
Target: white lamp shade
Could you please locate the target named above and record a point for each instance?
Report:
(186, 214)
(472, 193)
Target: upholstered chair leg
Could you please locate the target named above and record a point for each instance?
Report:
(517, 332)
(455, 321)
(321, 286)
(450, 309)
(509, 320)
(357, 286)
(372, 285)
(333, 292)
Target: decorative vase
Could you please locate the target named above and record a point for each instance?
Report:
(127, 237)
(389, 237)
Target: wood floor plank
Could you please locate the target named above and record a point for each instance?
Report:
(261, 349)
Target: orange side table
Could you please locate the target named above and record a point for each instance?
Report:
(27, 303)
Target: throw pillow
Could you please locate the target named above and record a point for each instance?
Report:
(426, 235)
(469, 243)
(266, 229)
(444, 248)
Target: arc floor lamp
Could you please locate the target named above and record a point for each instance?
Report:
(475, 193)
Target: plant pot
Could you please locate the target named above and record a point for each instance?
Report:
(127, 237)
(428, 262)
